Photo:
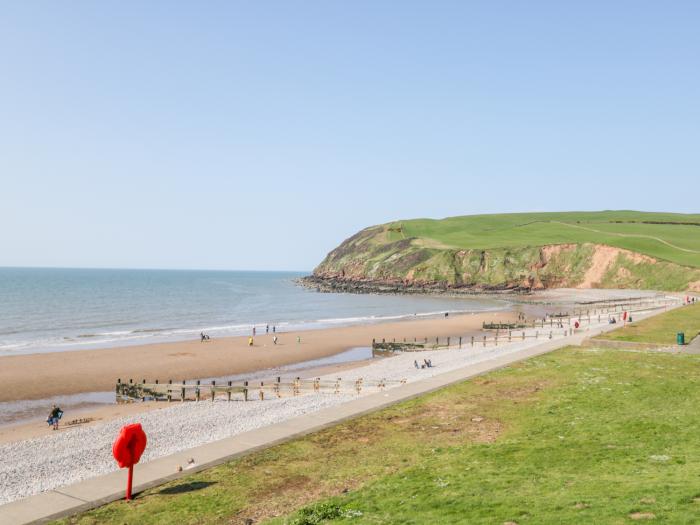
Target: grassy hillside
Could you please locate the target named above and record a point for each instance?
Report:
(506, 251)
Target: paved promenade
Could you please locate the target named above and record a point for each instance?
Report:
(97, 491)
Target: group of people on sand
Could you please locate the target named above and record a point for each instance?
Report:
(427, 363)
(251, 340)
(275, 340)
(267, 329)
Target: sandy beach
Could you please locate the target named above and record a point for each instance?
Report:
(38, 376)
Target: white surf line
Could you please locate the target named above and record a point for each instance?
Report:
(638, 235)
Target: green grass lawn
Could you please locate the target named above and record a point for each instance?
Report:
(661, 329)
(576, 436)
(678, 242)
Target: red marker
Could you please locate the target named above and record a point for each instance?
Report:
(127, 450)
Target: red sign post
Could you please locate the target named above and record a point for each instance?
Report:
(127, 450)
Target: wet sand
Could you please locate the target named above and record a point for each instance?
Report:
(39, 376)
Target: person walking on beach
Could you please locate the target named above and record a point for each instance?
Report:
(274, 329)
(267, 328)
(250, 341)
(253, 331)
(274, 340)
(54, 416)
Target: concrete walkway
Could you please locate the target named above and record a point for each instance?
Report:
(97, 491)
(694, 346)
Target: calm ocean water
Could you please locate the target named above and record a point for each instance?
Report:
(44, 309)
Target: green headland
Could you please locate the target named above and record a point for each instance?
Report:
(520, 251)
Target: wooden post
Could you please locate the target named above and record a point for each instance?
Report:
(117, 389)
(448, 341)
(472, 340)
(182, 391)
(510, 336)
(523, 336)
(213, 391)
(484, 340)
(196, 391)
(262, 394)
(228, 393)
(245, 390)
(460, 341)
(170, 392)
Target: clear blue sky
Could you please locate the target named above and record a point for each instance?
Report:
(258, 135)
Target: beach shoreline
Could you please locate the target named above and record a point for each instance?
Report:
(41, 376)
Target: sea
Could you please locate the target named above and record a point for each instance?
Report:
(59, 309)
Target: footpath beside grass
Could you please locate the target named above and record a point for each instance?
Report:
(660, 329)
(576, 436)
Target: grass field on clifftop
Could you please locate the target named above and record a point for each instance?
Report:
(678, 240)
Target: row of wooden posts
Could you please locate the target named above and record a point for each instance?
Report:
(170, 391)
(512, 335)
(620, 306)
(472, 340)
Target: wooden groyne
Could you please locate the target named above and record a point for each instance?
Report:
(127, 392)
(451, 342)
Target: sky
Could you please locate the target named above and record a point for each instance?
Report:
(259, 135)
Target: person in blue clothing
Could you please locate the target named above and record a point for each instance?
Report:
(54, 417)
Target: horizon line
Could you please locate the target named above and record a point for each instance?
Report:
(15, 267)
